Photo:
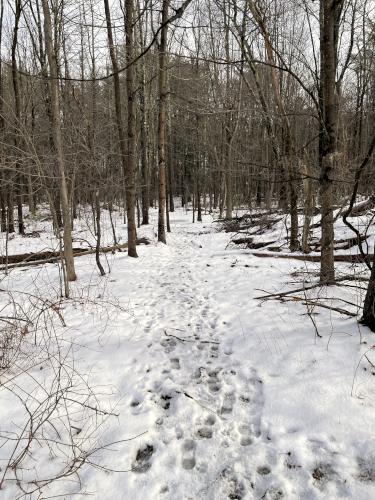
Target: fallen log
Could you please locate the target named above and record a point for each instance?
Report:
(46, 257)
(269, 295)
(361, 208)
(314, 258)
(340, 244)
(248, 221)
(250, 243)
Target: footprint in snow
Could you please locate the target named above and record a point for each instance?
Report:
(142, 461)
(245, 399)
(273, 494)
(206, 431)
(263, 470)
(188, 454)
(197, 374)
(245, 435)
(175, 363)
(230, 485)
(214, 351)
(213, 382)
(228, 403)
(168, 344)
(210, 420)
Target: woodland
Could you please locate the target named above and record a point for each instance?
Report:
(187, 216)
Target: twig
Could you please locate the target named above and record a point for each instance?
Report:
(191, 340)
(331, 308)
(371, 363)
(198, 402)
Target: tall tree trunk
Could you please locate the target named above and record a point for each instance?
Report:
(162, 121)
(143, 145)
(131, 163)
(3, 205)
(330, 17)
(145, 188)
(58, 144)
(127, 163)
(228, 118)
(288, 141)
(17, 101)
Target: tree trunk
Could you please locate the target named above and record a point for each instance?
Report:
(309, 206)
(330, 10)
(131, 159)
(368, 317)
(162, 121)
(127, 163)
(144, 164)
(98, 233)
(17, 101)
(10, 211)
(57, 139)
(145, 188)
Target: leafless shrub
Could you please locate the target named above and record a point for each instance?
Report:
(10, 342)
(52, 423)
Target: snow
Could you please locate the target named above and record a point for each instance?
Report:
(216, 394)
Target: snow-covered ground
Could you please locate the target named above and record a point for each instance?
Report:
(216, 395)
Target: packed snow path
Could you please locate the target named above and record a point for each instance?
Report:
(207, 405)
(231, 398)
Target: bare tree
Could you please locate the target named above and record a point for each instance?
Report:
(330, 12)
(127, 163)
(58, 143)
(162, 120)
(131, 160)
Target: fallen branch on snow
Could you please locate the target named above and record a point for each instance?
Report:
(190, 340)
(46, 257)
(314, 258)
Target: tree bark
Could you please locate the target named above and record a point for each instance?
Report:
(368, 317)
(127, 166)
(17, 101)
(131, 163)
(308, 209)
(58, 144)
(98, 233)
(162, 121)
(329, 11)
(145, 188)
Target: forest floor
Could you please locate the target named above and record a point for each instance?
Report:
(214, 394)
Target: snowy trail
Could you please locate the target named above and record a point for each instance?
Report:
(229, 392)
(226, 404)
(232, 398)
(209, 407)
